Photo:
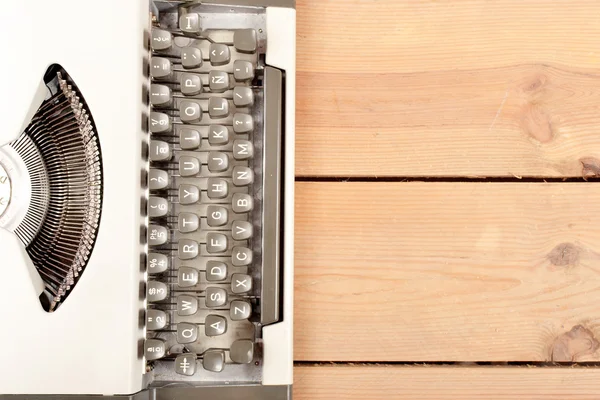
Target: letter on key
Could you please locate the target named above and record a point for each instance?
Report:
(216, 216)
(188, 222)
(216, 271)
(187, 277)
(240, 310)
(241, 256)
(188, 194)
(187, 305)
(215, 297)
(191, 84)
(187, 333)
(215, 325)
(188, 249)
(241, 283)
(216, 242)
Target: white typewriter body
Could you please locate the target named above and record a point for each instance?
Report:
(92, 343)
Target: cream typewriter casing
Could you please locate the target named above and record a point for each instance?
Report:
(92, 343)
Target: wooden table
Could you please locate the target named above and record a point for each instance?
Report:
(448, 216)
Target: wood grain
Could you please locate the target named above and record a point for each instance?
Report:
(447, 272)
(458, 88)
(445, 383)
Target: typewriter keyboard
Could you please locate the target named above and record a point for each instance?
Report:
(214, 194)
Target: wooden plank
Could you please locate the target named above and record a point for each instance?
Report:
(457, 88)
(445, 383)
(447, 272)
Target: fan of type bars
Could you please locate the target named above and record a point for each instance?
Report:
(61, 153)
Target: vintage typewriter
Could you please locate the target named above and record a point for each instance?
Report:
(146, 199)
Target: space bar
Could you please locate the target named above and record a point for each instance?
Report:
(271, 265)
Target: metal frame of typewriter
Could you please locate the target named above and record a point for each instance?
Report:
(92, 344)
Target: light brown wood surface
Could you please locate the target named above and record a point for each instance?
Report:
(445, 383)
(390, 272)
(448, 88)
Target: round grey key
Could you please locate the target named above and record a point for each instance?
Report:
(188, 194)
(240, 310)
(243, 149)
(190, 112)
(159, 151)
(157, 207)
(242, 203)
(215, 297)
(241, 256)
(185, 364)
(216, 216)
(213, 360)
(242, 351)
(218, 135)
(188, 222)
(157, 235)
(189, 139)
(156, 291)
(242, 176)
(157, 263)
(159, 122)
(217, 188)
(190, 23)
(187, 305)
(218, 161)
(243, 70)
(160, 67)
(187, 249)
(161, 39)
(156, 319)
(191, 57)
(245, 40)
(158, 179)
(187, 333)
(160, 95)
(187, 277)
(218, 81)
(241, 230)
(215, 325)
(243, 96)
(219, 54)
(189, 166)
(218, 107)
(191, 84)
(216, 271)
(243, 123)
(241, 283)
(154, 349)
(216, 242)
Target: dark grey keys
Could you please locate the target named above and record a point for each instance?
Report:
(243, 123)
(243, 96)
(185, 364)
(213, 360)
(241, 283)
(216, 242)
(243, 149)
(187, 277)
(159, 151)
(218, 107)
(159, 122)
(190, 23)
(154, 349)
(241, 230)
(157, 207)
(157, 263)
(218, 161)
(158, 179)
(242, 351)
(218, 135)
(190, 112)
(161, 39)
(219, 54)
(157, 235)
(241, 256)
(216, 271)
(215, 297)
(188, 194)
(187, 305)
(240, 310)
(189, 139)
(188, 222)
(156, 291)
(191, 57)
(243, 70)
(187, 249)
(242, 203)
(245, 40)
(215, 325)
(218, 81)
(160, 95)
(156, 319)
(216, 216)
(160, 67)
(217, 188)
(242, 176)
(187, 333)
(191, 84)
(189, 166)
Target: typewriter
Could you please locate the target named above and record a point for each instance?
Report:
(146, 199)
